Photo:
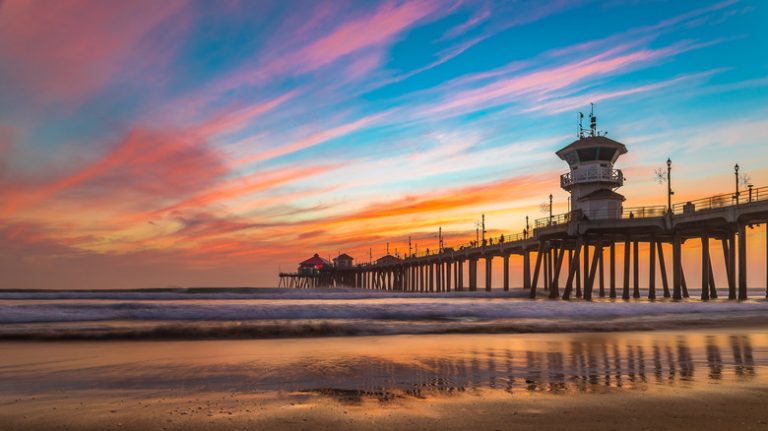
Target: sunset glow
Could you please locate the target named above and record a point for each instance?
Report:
(151, 144)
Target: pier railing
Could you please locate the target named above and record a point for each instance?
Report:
(745, 196)
(489, 241)
(626, 213)
(591, 174)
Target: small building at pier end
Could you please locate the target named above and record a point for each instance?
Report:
(314, 265)
(592, 180)
(343, 261)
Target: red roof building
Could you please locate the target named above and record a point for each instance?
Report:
(314, 265)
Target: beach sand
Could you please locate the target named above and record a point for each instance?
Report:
(735, 408)
(696, 379)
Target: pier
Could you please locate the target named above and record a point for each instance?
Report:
(566, 255)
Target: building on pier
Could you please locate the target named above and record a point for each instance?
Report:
(592, 179)
(343, 261)
(314, 265)
(387, 259)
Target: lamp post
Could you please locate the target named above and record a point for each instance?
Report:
(483, 218)
(736, 174)
(669, 185)
(550, 208)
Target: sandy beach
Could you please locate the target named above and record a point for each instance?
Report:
(702, 410)
(694, 379)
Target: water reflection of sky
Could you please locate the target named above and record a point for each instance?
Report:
(386, 367)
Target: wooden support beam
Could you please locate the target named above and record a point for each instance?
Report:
(627, 255)
(422, 278)
(488, 272)
(705, 267)
(554, 290)
(547, 258)
(677, 268)
(684, 283)
(536, 269)
(585, 258)
(663, 269)
(448, 276)
(612, 278)
(732, 265)
(742, 262)
(460, 280)
(636, 269)
(572, 269)
(506, 271)
(526, 269)
(473, 274)
(431, 277)
(652, 270)
(712, 287)
(582, 256)
(592, 272)
(601, 272)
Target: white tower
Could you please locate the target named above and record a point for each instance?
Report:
(592, 178)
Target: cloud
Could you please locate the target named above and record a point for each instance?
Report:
(155, 164)
(64, 51)
(364, 32)
(542, 81)
(316, 138)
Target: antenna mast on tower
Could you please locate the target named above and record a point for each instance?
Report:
(592, 124)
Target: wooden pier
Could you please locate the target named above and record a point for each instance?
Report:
(570, 251)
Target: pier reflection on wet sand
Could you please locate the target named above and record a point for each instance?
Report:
(427, 382)
(395, 367)
(586, 364)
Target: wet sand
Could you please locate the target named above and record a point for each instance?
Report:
(709, 410)
(705, 379)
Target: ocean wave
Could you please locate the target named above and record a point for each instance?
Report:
(181, 294)
(407, 310)
(320, 328)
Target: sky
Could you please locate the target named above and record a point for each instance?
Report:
(216, 143)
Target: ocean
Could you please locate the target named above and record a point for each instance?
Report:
(221, 313)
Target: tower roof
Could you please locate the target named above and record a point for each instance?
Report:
(315, 260)
(590, 142)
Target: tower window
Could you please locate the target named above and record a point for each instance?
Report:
(587, 154)
(606, 154)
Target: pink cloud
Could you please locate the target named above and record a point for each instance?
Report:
(547, 80)
(62, 51)
(356, 36)
(481, 16)
(235, 120)
(381, 27)
(145, 166)
(557, 105)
